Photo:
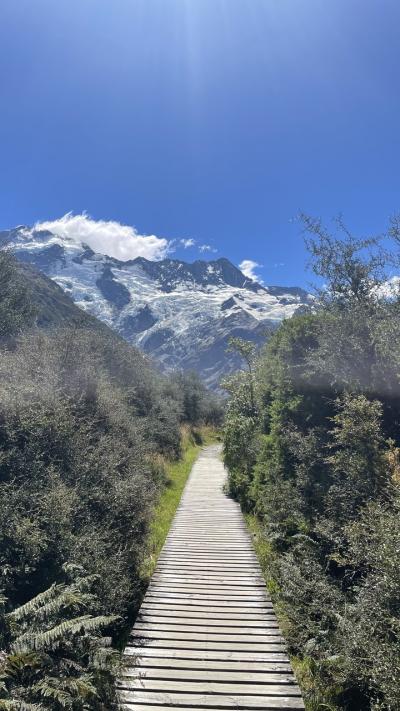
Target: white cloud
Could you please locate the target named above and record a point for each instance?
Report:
(247, 266)
(207, 248)
(187, 243)
(108, 237)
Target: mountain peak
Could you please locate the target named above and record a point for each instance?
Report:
(180, 313)
(173, 273)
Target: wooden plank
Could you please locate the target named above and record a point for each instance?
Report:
(206, 636)
(215, 626)
(212, 645)
(270, 705)
(162, 631)
(226, 609)
(243, 656)
(208, 687)
(202, 547)
(224, 569)
(222, 591)
(249, 575)
(281, 674)
(211, 621)
(207, 700)
(206, 593)
(210, 575)
(199, 612)
(209, 564)
(209, 637)
(222, 600)
(205, 557)
(207, 553)
(206, 560)
(151, 707)
(221, 582)
(277, 663)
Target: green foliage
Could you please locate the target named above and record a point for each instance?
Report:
(54, 650)
(196, 404)
(16, 311)
(313, 454)
(61, 396)
(86, 426)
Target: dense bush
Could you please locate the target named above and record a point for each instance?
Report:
(316, 458)
(75, 468)
(197, 404)
(16, 311)
(84, 424)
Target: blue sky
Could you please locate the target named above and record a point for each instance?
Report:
(207, 120)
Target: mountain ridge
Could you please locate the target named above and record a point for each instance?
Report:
(182, 314)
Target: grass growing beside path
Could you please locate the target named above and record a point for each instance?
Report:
(177, 475)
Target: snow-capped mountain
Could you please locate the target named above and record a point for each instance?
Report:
(179, 313)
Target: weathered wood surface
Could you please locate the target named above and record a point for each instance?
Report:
(206, 637)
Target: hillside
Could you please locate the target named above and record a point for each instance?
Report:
(53, 306)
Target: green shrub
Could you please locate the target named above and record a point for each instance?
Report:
(316, 460)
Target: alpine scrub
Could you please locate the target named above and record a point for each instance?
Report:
(312, 438)
(87, 431)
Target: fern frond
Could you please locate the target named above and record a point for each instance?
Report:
(82, 687)
(64, 691)
(16, 663)
(30, 607)
(42, 640)
(106, 659)
(78, 625)
(45, 605)
(13, 705)
(106, 641)
(71, 598)
(50, 688)
(68, 664)
(7, 705)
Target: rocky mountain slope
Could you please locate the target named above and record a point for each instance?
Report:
(181, 314)
(53, 307)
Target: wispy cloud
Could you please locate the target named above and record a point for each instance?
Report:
(108, 237)
(248, 266)
(186, 243)
(207, 248)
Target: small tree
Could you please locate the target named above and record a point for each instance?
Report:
(352, 268)
(247, 351)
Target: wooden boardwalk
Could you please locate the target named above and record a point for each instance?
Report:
(206, 636)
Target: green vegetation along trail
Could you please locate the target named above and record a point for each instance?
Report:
(206, 636)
